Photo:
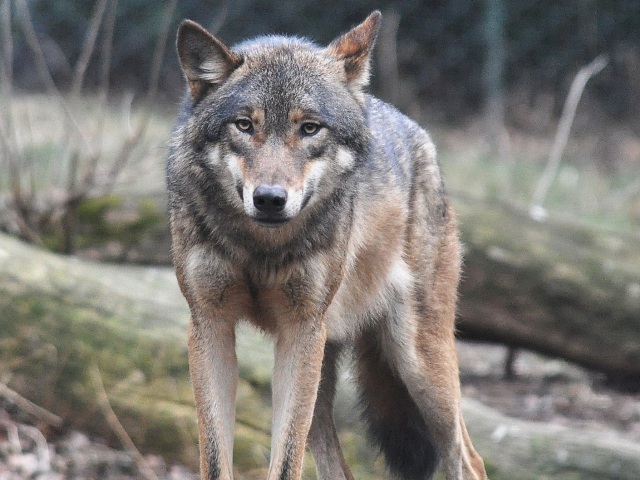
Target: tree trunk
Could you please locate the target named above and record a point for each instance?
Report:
(557, 288)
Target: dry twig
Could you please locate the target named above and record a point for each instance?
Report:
(160, 49)
(29, 407)
(80, 154)
(388, 55)
(13, 437)
(43, 70)
(562, 134)
(134, 139)
(116, 426)
(42, 448)
(7, 131)
(6, 70)
(87, 47)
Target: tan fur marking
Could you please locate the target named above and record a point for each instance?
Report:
(297, 115)
(293, 140)
(257, 116)
(237, 167)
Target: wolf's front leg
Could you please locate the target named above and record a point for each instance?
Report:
(214, 373)
(298, 363)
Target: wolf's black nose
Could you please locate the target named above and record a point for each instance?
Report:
(269, 198)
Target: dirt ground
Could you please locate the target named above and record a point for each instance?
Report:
(547, 390)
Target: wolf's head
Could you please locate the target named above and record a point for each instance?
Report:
(278, 120)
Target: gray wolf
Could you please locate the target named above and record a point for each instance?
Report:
(311, 209)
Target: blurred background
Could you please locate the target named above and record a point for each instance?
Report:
(534, 107)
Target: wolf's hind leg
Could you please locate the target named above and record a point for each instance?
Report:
(395, 423)
(431, 378)
(323, 439)
(421, 344)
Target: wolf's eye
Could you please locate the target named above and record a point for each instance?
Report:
(309, 128)
(244, 125)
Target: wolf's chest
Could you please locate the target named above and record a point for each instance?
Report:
(368, 295)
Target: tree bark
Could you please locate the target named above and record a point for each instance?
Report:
(555, 287)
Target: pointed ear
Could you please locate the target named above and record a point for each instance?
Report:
(205, 60)
(354, 49)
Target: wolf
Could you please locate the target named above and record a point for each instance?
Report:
(302, 204)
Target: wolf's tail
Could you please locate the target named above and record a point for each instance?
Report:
(395, 423)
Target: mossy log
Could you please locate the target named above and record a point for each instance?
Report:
(60, 317)
(555, 287)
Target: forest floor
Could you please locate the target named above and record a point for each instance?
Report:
(547, 390)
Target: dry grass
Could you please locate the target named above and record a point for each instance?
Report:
(41, 143)
(592, 185)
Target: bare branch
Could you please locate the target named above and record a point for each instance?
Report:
(134, 139)
(34, 45)
(29, 407)
(91, 167)
(42, 448)
(107, 46)
(160, 49)
(10, 157)
(43, 69)
(388, 55)
(220, 17)
(12, 435)
(124, 154)
(88, 47)
(116, 426)
(562, 134)
(6, 67)
(8, 144)
(493, 74)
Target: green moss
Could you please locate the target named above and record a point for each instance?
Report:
(92, 211)
(49, 348)
(492, 470)
(250, 449)
(107, 219)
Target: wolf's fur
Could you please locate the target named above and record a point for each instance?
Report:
(318, 213)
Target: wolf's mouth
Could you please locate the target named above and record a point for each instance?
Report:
(271, 222)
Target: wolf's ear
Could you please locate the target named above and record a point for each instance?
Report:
(354, 49)
(205, 60)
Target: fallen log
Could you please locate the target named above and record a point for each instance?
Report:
(555, 287)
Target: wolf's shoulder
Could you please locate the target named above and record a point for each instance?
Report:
(385, 120)
(396, 136)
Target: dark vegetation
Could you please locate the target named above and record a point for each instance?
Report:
(442, 46)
